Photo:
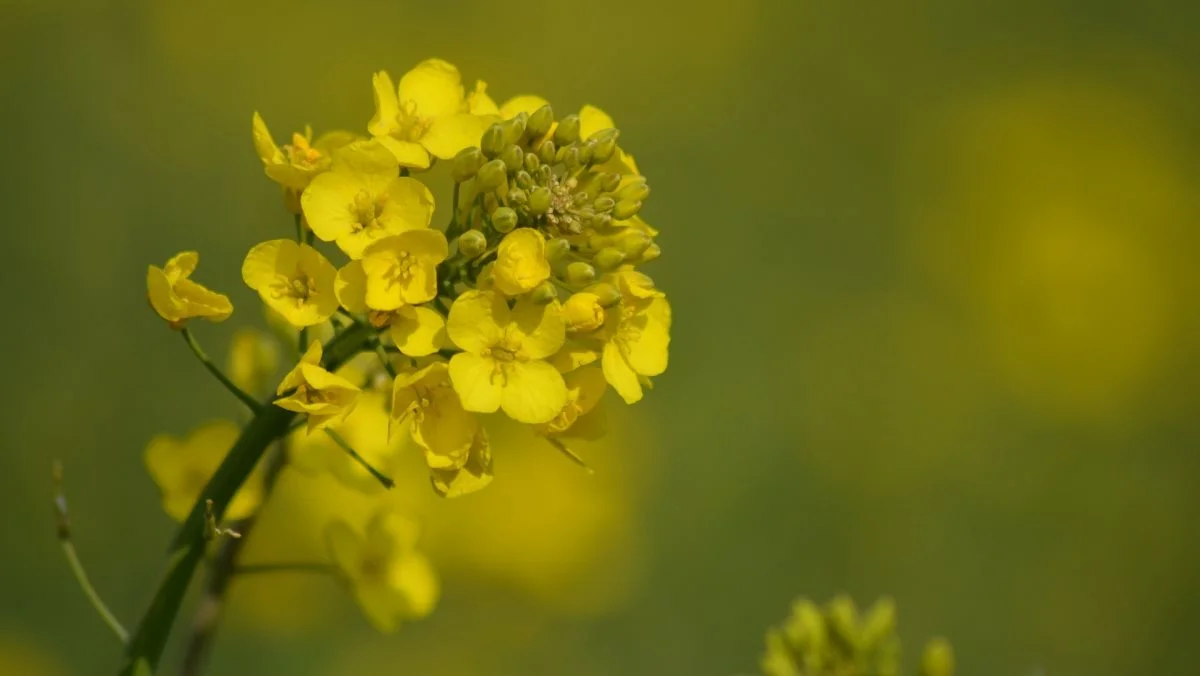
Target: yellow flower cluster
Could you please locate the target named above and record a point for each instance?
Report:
(527, 300)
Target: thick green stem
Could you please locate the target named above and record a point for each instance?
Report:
(145, 647)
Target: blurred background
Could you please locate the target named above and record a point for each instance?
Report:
(937, 329)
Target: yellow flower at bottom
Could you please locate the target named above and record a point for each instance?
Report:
(176, 298)
(182, 467)
(389, 578)
(323, 396)
(501, 364)
(293, 279)
(637, 332)
(521, 262)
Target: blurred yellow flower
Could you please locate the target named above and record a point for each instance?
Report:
(365, 428)
(363, 198)
(323, 396)
(253, 358)
(426, 115)
(636, 335)
(176, 298)
(294, 165)
(389, 578)
(501, 365)
(402, 269)
(293, 279)
(182, 468)
(520, 262)
(437, 421)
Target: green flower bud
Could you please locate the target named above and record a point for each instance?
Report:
(585, 153)
(518, 196)
(466, 163)
(651, 252)
(504, 219)
(492, 143)
(491, 202)
(580, 273)
(843, 621)
(633, 242)
(623, 209)
(938, 659)
(523, 179)
(607, 294)
(540, 121)
(531, 162)
(603, 204)
(544, 293)
(609, 182)
(492, 175)
(547, 152)
(568, 130)
(636, 191)
(514, 129)
(607, 259)
(513, 157)
(605, 145)
(568, 156)
(556, 249)
(880, 624)
(539, 200)
(472, 243)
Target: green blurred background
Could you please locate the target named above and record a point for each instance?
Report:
(936, 328)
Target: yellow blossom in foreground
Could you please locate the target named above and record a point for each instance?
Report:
(437, 421)
(582, 417)
(415, 329)
(366, 430)
(323, 396)
(363, 199)
(426, 115)
(389, 578)
(182, 468)
(636, 334)
(176, 298)
(583, 312)
(293, 279)
(501, 365)
(402, 269)
(473, 475)
(520, 262)
(295, 164)
(253, 358)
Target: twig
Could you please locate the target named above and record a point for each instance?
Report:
(213, 369)
(341, 441)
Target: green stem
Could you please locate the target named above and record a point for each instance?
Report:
(341, 441)
(212, 368)
(144, 649)
(97, 603)
(383, 357)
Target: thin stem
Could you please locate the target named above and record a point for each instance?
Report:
(387, 363)
(341, 441)
(212, 368)
(68, 547)
(262, 568)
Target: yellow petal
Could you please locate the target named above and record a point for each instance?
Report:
(328, 204)
(472, 476)
(162, 298)
(269, 261)
(434, 87)
(592, 120)
(199, 301)
(533, 393)
(407, 153)
(264, 145)
(387, 107)
(408, 205)
(181, 265)
(573, 356)
(521, 262)
(475, 320)
(446, 431)
(588, 385)
(478, 101)
(451, 133)
(414, 578)
(419, 331)
(365, 157)
(351, 287)
(521, 104)
(542, 328)
(618, 374)
(647, 351)
(474, 380)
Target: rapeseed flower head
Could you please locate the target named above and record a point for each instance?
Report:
(182, 467)
(176, 298)
(389, 578)
(293, 279)
(326, 398)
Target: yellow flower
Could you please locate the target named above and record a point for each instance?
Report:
(474, 474)
(252, 360)
(415, 329)
(581, 417)
(525, 103)
(390, 579)
(437, 420)
(366, 430)
(294, 165)
(363, 198)
(478, 101)
(426, 115)
(636, 334)
(521, 262)
(182, 468)
(323, 396)
(583, 312)
(501, 365)
(293, 279)
(402, 269)
(176, 298)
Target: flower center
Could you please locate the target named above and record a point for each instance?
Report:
(563, 213)
(401, 270)
(301, 154)
(410, 126)
(367, 210)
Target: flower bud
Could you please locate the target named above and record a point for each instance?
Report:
(568, 130)
(880, 623)
(486, 279)
(569, 157)
(531, 162)
(556, 249)
(539, 200)
(585, 153)
(492, 143)
(472, 243)
(523, 180)
(513, 157)
(517, 196)
(606, 294)
(843, 620)
(504, 219)
(580, 274)
(629, 242)
(547, 152)
(492, 175)
(582, 313)
(603, 204)
(607, 259)
(540, 121)
(514, 129)
(605, 145)
(938, 659)
(490, 202)
(635, 190)
(623, 209)
(544, 293)
(609, 182)
(466, 163)
(650, 253)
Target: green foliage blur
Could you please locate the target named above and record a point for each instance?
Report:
(936, 328)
